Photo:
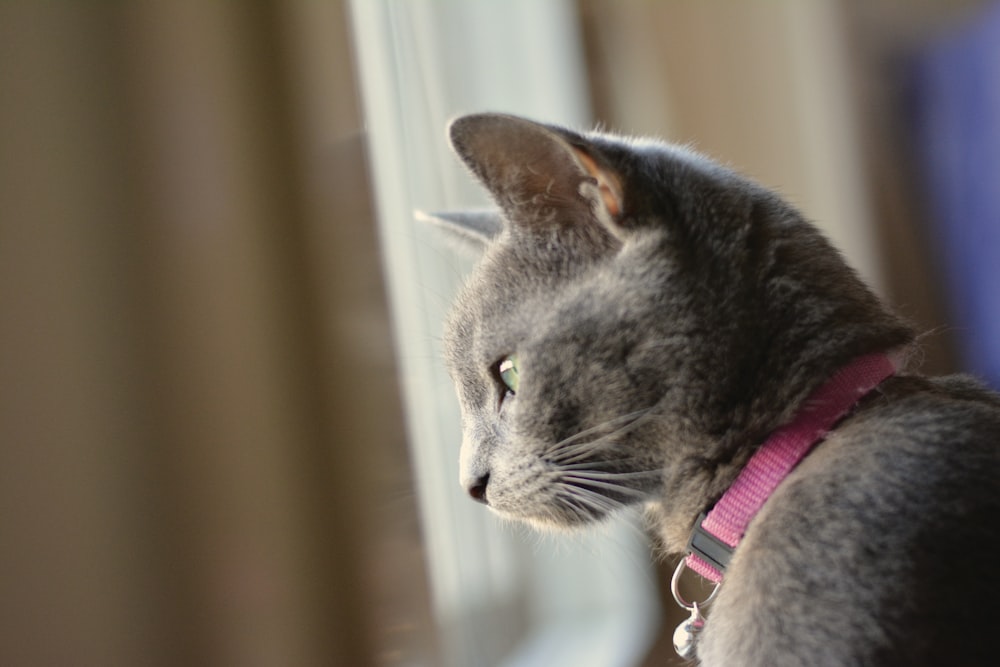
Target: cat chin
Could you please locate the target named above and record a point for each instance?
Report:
(550, 527)
(563, 525)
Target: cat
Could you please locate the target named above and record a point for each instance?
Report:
(640, 321)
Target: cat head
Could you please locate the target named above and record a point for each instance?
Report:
(639, 316)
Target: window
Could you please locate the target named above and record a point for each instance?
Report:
(502, 595)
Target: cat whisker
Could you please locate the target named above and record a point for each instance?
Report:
(577, 505)
(587, 505)
(590, 501)
(579, 453)
(611, 423)
(600, 474)
(568, 451)
(596, 466)
(580, 480)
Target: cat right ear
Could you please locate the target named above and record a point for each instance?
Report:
(470, 231)
(542, 176)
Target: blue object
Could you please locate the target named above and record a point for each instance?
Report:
(956, 113)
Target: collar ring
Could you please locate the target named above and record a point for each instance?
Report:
(675, 589)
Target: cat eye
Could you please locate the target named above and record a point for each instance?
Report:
(509, 373)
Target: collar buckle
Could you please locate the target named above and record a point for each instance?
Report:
(708, 547)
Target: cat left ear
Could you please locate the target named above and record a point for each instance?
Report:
(471, 231)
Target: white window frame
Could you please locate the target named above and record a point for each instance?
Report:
(501, 595)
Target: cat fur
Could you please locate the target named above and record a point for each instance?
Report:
(668, 314)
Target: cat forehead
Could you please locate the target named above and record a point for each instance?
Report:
(508, 296)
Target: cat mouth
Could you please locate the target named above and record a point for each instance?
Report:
(561, 509)
(548, 495)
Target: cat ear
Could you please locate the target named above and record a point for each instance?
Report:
(470, 231)
(539, 175)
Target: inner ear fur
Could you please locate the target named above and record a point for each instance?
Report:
(608, 185)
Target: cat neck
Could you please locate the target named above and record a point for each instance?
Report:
(718, 532)
(703, 480)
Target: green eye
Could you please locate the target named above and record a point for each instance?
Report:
(509, 372)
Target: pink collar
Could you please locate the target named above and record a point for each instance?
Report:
(717, 533)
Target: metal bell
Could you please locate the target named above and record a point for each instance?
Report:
(686, 634)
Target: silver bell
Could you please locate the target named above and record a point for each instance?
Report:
(686, 634)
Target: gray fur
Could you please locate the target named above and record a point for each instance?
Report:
(668, 314)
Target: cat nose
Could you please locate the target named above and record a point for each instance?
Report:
(477, 488)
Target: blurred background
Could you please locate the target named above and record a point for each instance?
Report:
(225, 434)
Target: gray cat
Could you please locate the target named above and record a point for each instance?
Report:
(640, 322)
